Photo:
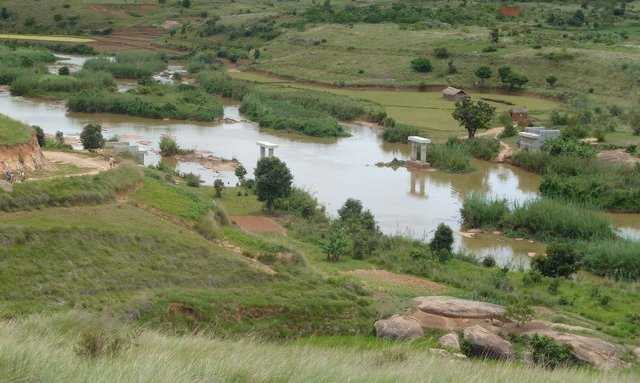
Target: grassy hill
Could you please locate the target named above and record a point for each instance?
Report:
(13, 132)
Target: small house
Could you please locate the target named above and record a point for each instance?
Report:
(454, 94)
(520, 116)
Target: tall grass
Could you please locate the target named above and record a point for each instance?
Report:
(479, 211)
(28, 84)
(286, 115)
(543, 218)
(49, 349)
(129, 64)
(450, 158)
(221, 84)
(71, 190)
(172, 102)
(617, 259)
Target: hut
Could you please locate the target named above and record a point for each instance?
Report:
(520, 116)
(454, 94)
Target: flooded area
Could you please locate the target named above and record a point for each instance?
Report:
(404, 202)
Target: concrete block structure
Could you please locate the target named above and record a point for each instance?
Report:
(418, 150)
(533, 138)
(266, 149)
(129, 149)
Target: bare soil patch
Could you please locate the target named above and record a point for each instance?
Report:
(399, 279)
(258, 224)
(133, 38)
(618, 156)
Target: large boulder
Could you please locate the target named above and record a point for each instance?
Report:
(450, 341)
(459, 308)
(597, 352)
(398, 327)
(487, 344)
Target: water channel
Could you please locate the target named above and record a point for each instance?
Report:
(403, 201)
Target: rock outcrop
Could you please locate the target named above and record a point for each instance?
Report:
(597, 352)
(450, 341)
(459, 308)
(398, 327)
(23, 157)
(485, 343)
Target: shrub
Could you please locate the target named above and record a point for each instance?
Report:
(569, 146)
(489, 261)
(519, 312)
(441, 53)
(397, 132)
(482, 148)
(219, 186)
(443, 239)
(100, 342)
(273, 180)
(192, 180)
(561, 261)
(39, 135)
(208, 227)
(421, 65)
(91, 137)
(479, 211)
(168, 146)
(549, 354)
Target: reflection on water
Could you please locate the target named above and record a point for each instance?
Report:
(404, 202)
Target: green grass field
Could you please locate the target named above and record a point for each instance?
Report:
(426, 110)
(13, 132)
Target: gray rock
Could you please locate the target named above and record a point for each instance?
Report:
(597, 352)
(485, 343)
(450, 341)
(459, 308)
(398, 328)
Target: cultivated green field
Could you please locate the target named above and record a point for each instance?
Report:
(54, 39)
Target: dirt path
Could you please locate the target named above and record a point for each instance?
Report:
(258, 224)
(505, 152)
(397, 279)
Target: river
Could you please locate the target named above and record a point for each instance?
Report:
(404, 202)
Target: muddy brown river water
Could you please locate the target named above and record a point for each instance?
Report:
(403, 201)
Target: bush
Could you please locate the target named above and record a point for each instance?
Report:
(39, 135)
(489, 261)
(421, 65)
(561, 261)
(569, 147)
(273, 180)
(519, 312)
(443, 239)
(482, 148)
(478, 211)
(219, 186)
(397, 132)
(136, 65)
(91, 137)
(100, 342)
(441, 53)
(192, 180)
(168, 146)
(549, 354)
(208, 227)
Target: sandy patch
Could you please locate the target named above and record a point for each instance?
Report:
(258, 224)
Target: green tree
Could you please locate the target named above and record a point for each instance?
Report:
(273, 180)
(91, 137)
(256, 54)
(39, 135)
(494, 36)
(561, 261)
(443, 239)
(336, 244)
(552, 81)
(218, 184)
(168, 146)
(352, 209)
(240, 172)
(504, 72)
(421, 65)
(473, 115)
(64, 71)
(511, 79)
(60, 138)
(483, 73)
(186, 3)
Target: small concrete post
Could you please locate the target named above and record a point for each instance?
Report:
(423, 153)
(261, 152)
(270, 152)
(419, 144)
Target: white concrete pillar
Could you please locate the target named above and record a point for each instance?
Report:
(270, 152)
(423, 152)
(262, 152)
(414, 151)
